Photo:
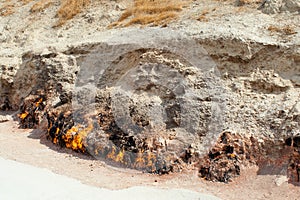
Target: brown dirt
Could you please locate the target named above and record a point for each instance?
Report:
(31, 147)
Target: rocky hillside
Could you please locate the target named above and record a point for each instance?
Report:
(214, 85)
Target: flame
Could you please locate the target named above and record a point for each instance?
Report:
(55, 140)
(23, 115)
(75, 139)
(150, 158)
(75, 136)
(232, 155)
(96, 151)
(116, 155)
(111, 155)
(139, 161)
(38, 102)
(26, 113)
(99, 148)
(68, 137)
(77, 142)
(120, 157)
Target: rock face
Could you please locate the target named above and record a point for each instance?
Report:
(50, 73)
(141, 103)
(158, 100)
(276, 6)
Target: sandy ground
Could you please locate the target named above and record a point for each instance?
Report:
(17, 186)
(31, 147)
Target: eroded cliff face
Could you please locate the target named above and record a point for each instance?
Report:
(217, 91)
(161, 101)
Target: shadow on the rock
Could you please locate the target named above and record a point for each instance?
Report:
(282, 161)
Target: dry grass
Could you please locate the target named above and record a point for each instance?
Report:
(25, 1)
(247, 2)
(69, 9)
(41, 5)
(287, 30)
(203, 16)
(8, 8)
(250, 1)
(156, 12)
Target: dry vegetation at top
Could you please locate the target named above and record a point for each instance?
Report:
(40, 6)
(203, 15)
(286, 30)
(7, 8)
(70, 8)
(155, 12)
(25, 1)
(67, 10)
(143, 12)
(244, 2)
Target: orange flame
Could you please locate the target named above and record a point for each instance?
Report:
(150, 158)
(99, 148)
(23, 115)
(38, 102)
(139, 161)
(68, 137)
(26, 113)
(120, 156)
(77, 142)
(55, 140)
(74, 137)
(111, 155)
(232, 155)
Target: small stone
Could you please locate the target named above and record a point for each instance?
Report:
(5, 118)
(280, 180)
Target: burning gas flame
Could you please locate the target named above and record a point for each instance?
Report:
(116, 156)
(150, 159)
(74, 137)
(31, 109)
(112, 153)
(23, 115)
(56, 133)
(68, 137)
(139, 161)
(120, 156)
(38, 102)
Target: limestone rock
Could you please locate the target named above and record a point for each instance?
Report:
(276, 6)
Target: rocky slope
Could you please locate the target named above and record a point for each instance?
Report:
(219, 91)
